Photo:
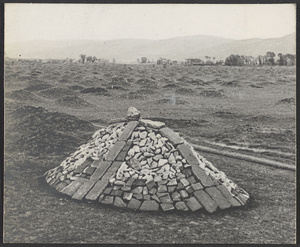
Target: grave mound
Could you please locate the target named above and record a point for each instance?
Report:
(143, 165)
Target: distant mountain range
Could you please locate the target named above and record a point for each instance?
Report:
(128, 50)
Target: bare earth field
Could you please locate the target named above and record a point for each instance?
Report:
(51, 109)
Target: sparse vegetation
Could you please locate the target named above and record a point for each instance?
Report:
(53, 108)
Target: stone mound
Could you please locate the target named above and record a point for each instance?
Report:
(143, 165)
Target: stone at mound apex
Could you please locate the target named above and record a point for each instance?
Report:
(143, 165)
(133, 113)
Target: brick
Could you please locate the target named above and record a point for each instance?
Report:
(241, 198)
(217, 196)
(128, 130)
(107, 190)
(228, 196)
(149, 206)
(171, 189)
(119, 202)
(107, 200)
(191, 179)
(184, 181)
(83, 190)
(134, 204)
(112, 169)
(167, 206)
(180, 186)
(116, 149)
(206, 201)
(176, 196)
(197, 186)
(166, 199)
(173, 137)
(98, 188)
(187, 172)
(187, 154)
(193, 204)
(101, 169)
(189, 189)
(181, 206)
(90, 170)
(60, 186)
(204, 179)
(124, 151)
(183, 194)
(117, 193)
(215, 181)
(73, 187)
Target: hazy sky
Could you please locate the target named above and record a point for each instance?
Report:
(146, 21)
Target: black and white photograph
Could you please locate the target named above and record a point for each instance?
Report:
(149, 123)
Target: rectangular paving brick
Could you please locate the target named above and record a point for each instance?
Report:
(110, 171)
(228, 196)
(73, 187)
(101, 169)
(121, 156)
(217, 196)
(128, 130)
(193, 204)
(204, 179)
(116, 149)
(187, 153)
(197, 186)
(98, 188)
(206, 201)
(101, 184)
(84, 189)
(90, 170)
(60, 186)
(173, 137)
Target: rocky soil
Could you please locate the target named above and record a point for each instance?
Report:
(50, 110)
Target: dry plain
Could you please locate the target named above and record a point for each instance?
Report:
(51, 109)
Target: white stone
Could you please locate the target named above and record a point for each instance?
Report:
(142, 143)
(162, 162)
(143, 134)
(132, 112)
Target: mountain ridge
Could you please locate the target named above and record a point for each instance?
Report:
(129, 50)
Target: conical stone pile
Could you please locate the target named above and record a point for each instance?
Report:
(143, 165)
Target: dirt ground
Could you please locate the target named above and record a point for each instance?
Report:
(51, 109)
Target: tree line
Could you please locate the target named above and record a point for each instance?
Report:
(269, 59)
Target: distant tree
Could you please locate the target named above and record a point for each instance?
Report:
(281, 59)
(82, 57)
(94, 59)
(138, 60)
(144, 60)
(89, 59)
(114, 60)
(234, 60)
(270, 57)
